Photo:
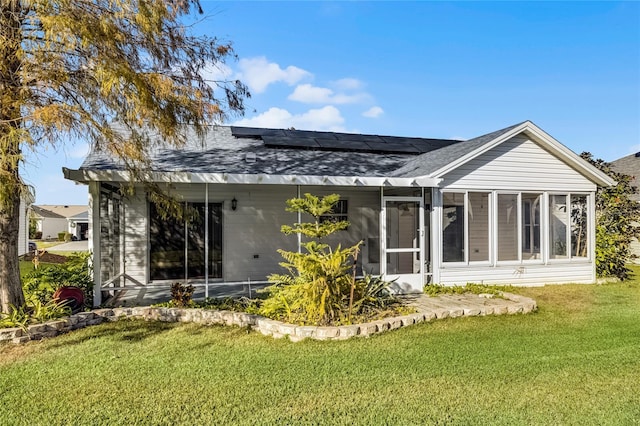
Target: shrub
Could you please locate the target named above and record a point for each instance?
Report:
(320, 286)
(617, 217)
(33, 311)
(181, 295)
(43, 282)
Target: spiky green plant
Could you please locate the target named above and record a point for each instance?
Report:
(317, 286)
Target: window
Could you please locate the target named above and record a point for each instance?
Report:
(478, 219)
(531, 226)
(568, 226)
(579, 226)
(508, 227)
(453, 227)
(339, 213)
(517, 220)
(178, 249)
(455, 241)
(558, 222)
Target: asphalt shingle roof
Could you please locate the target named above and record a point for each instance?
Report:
(629, 165)
(245, 150)
(429, 162)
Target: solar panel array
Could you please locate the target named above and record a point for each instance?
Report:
(329, 141)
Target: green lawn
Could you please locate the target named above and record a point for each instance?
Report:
(576, 361)
(26, 266)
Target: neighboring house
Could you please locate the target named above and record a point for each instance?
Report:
(514, 206)
(630, 165)
(24, 213)
(52, 219)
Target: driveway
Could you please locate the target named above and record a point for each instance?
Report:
(71, 246)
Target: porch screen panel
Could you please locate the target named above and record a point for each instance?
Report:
(196, 242)
(507, 216)
(531, 226)
(110, 237)
(106, 240)
(558, 222)
(453, 227)
(167, 246)
(174, 252)
(478, 213)
(579, 226)
(215, 240)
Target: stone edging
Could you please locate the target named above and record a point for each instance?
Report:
(266, 326)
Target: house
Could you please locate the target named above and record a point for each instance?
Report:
(54, 219)
(24, 212)
(513, 206)
(630, 165)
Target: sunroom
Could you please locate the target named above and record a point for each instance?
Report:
(513, 207)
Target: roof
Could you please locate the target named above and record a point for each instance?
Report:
(288, 156)
(430, 162)
(59, 212)
(629, 165)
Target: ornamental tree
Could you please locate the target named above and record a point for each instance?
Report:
(617, 217)
(69, 69)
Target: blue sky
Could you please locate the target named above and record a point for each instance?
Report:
(429, 69)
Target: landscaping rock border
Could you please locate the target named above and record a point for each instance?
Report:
(266, 326)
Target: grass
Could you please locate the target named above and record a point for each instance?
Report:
(575, 361)
(26, 266)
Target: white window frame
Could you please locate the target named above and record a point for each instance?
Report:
(589, 231)
(466, 261)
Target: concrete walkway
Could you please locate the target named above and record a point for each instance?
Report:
(452, 306)
(71, 246)
(444, 306)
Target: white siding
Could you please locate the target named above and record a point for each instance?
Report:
(518, 163)
(134, 238)
(251, 234)
(552, 273)
(51, 226)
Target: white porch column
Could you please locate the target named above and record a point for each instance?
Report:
(591, 217)
(94, 240)
(436, 234)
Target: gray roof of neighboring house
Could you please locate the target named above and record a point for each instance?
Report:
(59, 211)
(629, 165)
(282, 152)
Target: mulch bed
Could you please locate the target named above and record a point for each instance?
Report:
(47, 258)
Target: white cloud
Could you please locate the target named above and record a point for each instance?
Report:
(327, 118)
(258, 73)
(308, 94)
(373, 112)
(348, 84)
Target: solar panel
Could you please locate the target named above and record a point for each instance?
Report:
(329, 141)
(344, 145)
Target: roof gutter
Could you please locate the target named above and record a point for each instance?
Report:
(85, 176)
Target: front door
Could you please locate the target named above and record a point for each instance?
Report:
(402, 243)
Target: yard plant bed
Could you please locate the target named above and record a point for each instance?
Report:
(47, 257)
(576, 361)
